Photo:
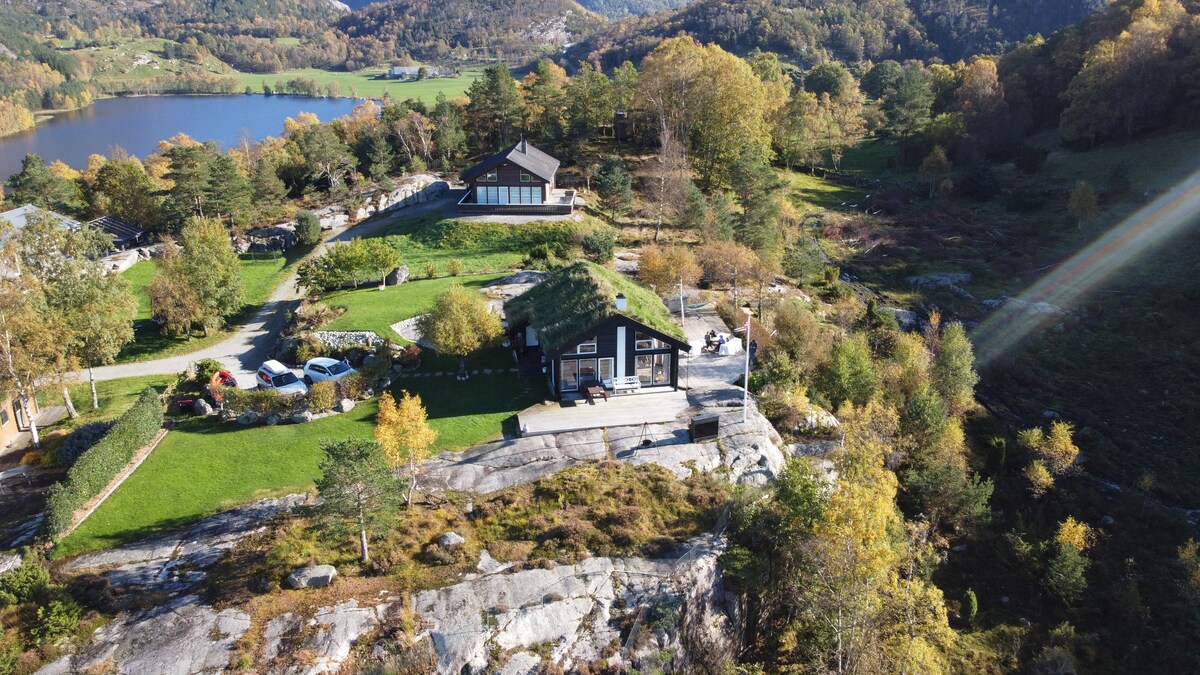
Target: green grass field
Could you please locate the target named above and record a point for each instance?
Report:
(116, 396)
(204, 466)
(260, 276)
(367, 83)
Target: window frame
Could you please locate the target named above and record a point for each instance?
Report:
(592, 342)
(491, 176)
(639, 338)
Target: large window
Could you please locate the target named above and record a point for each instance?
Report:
(570, 375)
(642, 341)
(507, 195)
(654, 369)
(489, 177)
(606, 370)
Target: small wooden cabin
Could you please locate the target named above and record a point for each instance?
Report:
(595, 327)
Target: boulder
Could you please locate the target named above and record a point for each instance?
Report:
(302, 417)
(313, 576)
(398, 276)
(345, 405)
(272, 420)
(451, 540)
(247, 418)
(202, 407)
(9, 563)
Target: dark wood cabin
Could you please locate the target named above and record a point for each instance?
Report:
(518, 179)
(593, 327)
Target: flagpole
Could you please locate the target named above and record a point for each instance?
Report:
(746, 375)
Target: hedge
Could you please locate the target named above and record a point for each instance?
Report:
(97, 467)
(460, 234)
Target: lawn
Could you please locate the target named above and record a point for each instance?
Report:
(204, 466)
(367, 83)
(372, 309)
(260, 276)
(116, 396)
(811, 193)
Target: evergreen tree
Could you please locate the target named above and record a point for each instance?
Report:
(268, 187)
(908, 103)
(357, 489)
(229, 192)
(35, 184)
(614, 186)
(494, 111)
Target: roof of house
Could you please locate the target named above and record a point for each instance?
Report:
(521, 153)
(19, 216)
(121, 230)
(581, 296)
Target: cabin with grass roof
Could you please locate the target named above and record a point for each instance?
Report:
(597, 333)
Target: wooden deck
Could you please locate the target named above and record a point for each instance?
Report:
(652, 407)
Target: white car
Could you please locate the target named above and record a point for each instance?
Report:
(322, 369)
(274, 375)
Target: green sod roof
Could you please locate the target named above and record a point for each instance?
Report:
(581, 296)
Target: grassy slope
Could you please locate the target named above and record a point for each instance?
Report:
(260, 277)
(404, 235)
(368, 83)
(123, 65)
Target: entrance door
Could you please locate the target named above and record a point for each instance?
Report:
(570, 375)
(19, 415)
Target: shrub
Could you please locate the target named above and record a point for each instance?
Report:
(322, 396)
(598, 245)
(455, 267)
(308, 228)
(1030, 159)
(95, 468)
(309, 347)
(430, 270)
(79, 441)
(970, 606)
(409, 356)
(24, 584)
(57, 620)
(351, 386)
(205, 369)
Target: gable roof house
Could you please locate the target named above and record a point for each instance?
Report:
(124, 234)
(595, 327)
(517, 180)
(412, 72)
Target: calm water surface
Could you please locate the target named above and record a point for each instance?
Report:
(138, 124)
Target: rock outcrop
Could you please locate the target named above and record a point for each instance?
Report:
(620, 612)
(313, 576)
(179, 637)
(177, 562)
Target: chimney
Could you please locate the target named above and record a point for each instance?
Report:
(620, 302)
(524, 146)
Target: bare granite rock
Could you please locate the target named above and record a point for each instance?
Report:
(495, 466)
(9, 563)
(579, 609)
(176, 562)
(313, 576)
(180, 637)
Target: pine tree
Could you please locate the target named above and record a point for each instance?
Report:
(614, 186)
(357, 489)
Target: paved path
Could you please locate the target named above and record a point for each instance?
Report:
(244, 351)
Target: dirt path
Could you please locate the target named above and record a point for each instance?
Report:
(244, 351)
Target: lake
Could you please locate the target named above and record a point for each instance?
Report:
(137, 124)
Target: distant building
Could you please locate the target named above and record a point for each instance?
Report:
(19, 216)
(596, 328)
(518, 179)
(412, 72)
(124, 233)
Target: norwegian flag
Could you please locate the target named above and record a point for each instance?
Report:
(743, 328)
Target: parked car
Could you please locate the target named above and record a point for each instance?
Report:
(274, 375)
(322, 369)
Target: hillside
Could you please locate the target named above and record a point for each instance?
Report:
(812, 31)
(616, 9)
(471, 28)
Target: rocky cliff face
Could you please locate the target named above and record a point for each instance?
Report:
(613, 612)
